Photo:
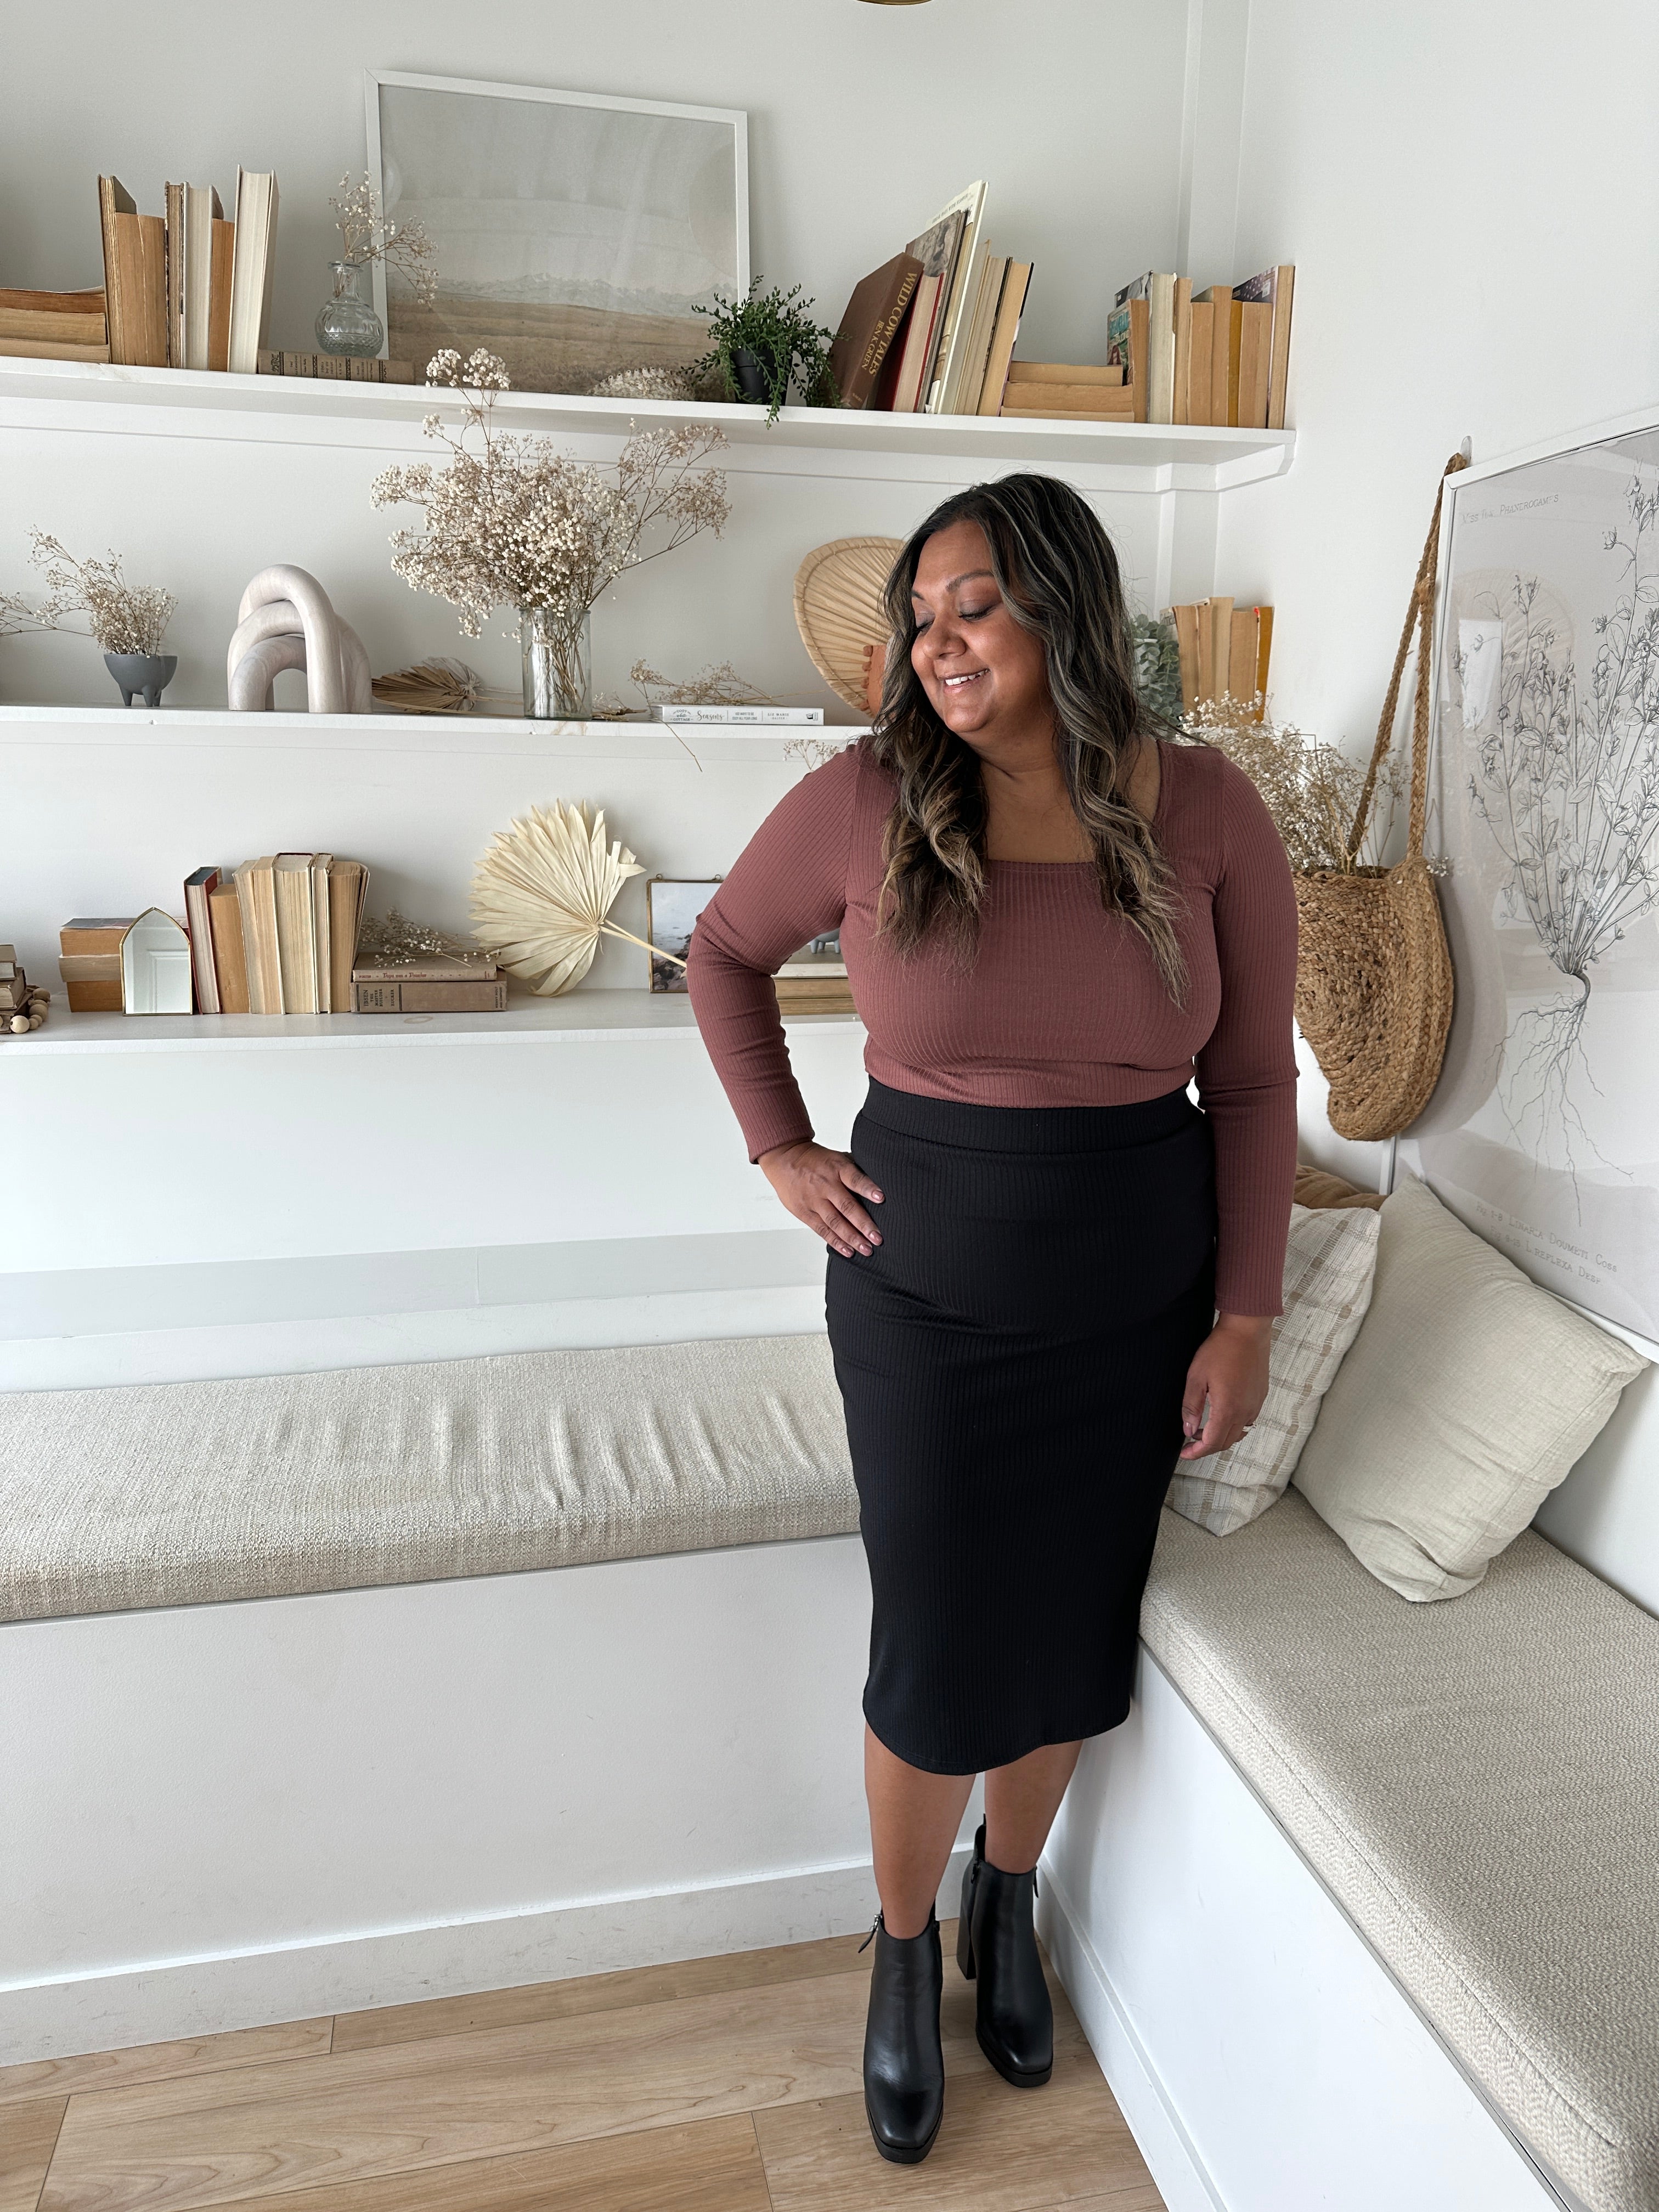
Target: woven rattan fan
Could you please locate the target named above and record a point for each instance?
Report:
(838, 609)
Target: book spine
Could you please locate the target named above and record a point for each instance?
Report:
(1203, 342)
(1221, 639)
(1186, 623)
(439, 997)
(1279, 371)
(1264, 639)
(1140, 367)
(1182, 399)
(746, 717)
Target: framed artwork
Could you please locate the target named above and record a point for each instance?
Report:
(574, 233)
(1543, 1133)
(672, 904)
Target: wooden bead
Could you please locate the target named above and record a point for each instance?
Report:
(35, 1019)
(20, 1024)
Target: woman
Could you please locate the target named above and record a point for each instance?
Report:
(1051, 921)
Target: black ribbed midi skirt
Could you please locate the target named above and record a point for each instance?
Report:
(1012, 1359)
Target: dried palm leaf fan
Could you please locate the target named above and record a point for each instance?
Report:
(1373, 973)
(542, 894)
(838, 609)
(438, 686)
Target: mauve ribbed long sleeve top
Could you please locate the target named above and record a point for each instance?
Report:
(1062, 1007)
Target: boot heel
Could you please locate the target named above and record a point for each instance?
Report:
(965, 1917)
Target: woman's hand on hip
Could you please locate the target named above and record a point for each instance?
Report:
(1226, 1384)
(823, 1189)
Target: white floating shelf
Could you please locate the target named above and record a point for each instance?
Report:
(585, 1017)
(195, 402)
(414, 734)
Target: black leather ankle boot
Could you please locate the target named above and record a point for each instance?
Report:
(903, 2061)
(996, 1946)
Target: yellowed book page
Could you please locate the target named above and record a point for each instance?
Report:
(1221, 642)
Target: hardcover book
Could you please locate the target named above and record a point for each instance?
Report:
(872, 320)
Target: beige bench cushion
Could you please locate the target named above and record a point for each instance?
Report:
(184, 1493)
(1477, 1784)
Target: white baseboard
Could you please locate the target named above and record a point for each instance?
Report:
(172, 1998)
(1182, 2179)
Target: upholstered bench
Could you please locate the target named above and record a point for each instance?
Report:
(1477, 1784)
(193, 1493)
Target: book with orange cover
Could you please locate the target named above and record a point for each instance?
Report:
(229, 964)
(1186, 623)
(1180, 407)
(869, 326)
(1005, 331)
(1202, 316)
(1140, 362)
(1223, 362)
(219, 275)
(135, 277)
(1264, 639)
(1254, 355)
(348, 891)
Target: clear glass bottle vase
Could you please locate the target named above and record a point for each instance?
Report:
(347, 323)
(558, 664)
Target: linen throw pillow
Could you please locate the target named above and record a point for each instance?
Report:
(1468, 1394)
(1327, 1286)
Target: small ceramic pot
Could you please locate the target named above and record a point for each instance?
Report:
(146, 674)
(751, 375)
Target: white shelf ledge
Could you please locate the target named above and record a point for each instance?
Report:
(195, 402)
(585, 1017)
(222, 729)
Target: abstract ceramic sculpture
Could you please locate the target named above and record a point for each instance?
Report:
(286, 620)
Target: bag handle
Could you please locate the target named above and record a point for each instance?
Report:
(1419, 615)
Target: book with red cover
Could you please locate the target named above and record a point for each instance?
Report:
(874, 316)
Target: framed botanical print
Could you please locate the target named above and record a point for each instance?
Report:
(573, 234)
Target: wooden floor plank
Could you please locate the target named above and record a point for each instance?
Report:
(170, 2145)
(588, 1993)
(157, 2062)
(711, 2166)
(27, 2133)
(1000, 2149)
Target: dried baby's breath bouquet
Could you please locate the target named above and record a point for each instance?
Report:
(366, 236)
(512, 522)
(123, 618)
(1311, 788)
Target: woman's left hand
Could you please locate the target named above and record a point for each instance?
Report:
(1226, 1384)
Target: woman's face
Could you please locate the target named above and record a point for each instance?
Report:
(984, 675)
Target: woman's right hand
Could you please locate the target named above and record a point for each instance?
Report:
(823, 1189)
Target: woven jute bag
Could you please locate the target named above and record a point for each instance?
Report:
(1373, 976)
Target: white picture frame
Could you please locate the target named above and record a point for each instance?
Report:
(563, 288)
(1539, 1132)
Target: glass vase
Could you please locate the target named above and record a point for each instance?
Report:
(348, 325)
(558, 664)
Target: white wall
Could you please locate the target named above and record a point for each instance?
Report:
(863, 121)
(1470, 194)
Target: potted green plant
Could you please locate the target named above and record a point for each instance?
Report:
(761, 342)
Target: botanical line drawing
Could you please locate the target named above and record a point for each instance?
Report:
(1566, 781)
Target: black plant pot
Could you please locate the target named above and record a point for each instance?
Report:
(750, 373)
(148, 674)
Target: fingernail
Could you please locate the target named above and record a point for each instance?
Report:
(875, 1236)
(875, 1194)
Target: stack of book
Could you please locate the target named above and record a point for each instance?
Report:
(434, 985)
(54, 326)
(1224, 649)
(90, 964)
(1219, 356)
(189, 289)
(1066, 391)
(814, 981)
(342, 367)
(932, 330)
(277, 935)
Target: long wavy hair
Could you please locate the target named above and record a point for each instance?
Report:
(1058, 575)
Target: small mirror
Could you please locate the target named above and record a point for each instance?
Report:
(155, 966)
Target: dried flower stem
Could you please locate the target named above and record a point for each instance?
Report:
(1311, 788)
(366, 236)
